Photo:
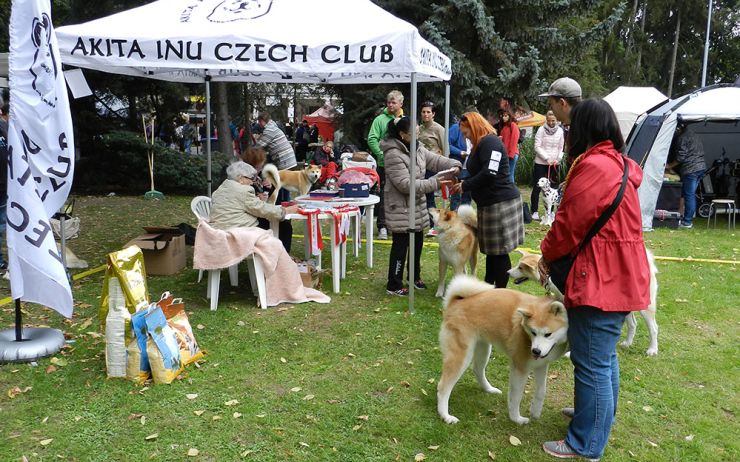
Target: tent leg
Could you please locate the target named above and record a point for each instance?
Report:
(412, 194)
(447, 119)
(208, 134)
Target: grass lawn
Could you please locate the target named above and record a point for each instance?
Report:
(356, 380)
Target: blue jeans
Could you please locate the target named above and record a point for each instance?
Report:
(593, 336)
(512, 167)
(461, 198)
(690, 182)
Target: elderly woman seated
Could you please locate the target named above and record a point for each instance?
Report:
(236, 203)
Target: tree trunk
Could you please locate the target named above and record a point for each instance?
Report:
(225, 143)
(631, 28)
(675, 53)
(642, 30)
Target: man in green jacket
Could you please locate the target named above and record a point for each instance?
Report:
(378, 129)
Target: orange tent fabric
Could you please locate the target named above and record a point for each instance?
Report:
(324, 120)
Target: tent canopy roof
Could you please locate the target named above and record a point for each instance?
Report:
(291, 41)
(715, 104)
(636, 100)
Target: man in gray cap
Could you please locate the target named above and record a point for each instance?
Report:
(562, 96)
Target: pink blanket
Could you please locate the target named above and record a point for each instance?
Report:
(217, 249)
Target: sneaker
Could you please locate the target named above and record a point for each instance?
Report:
(400, 292)
(419, 284)
(432, 233)
(561, 450)
(535, 216)
(568, 412)
(382, 234)
(684, 225)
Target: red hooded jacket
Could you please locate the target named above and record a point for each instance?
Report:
(612, 272)
(510, 137)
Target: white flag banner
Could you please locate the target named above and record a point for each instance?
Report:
(40, 157)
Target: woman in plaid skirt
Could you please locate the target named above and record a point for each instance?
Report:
(500, 222)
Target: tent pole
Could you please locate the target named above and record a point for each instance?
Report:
(18, 321)
(706, 47)
(412, 193)
(447, 119)
(208, 133)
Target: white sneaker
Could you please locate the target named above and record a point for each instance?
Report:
(383, 234)
(535, 216)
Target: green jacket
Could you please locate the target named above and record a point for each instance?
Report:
(377, 132)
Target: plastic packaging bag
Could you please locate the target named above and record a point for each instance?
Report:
(138, 368)
(115, 331)
(162, 348)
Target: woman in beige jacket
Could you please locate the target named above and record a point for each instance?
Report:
(396, 195)
(235, 203)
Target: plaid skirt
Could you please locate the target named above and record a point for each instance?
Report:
(501, 227)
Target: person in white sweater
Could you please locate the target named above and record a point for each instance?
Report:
(548, 147)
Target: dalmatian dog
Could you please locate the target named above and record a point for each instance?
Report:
(551, 197)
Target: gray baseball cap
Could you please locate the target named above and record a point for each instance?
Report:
(564, 87)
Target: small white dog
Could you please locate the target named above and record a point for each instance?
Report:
(551, 197)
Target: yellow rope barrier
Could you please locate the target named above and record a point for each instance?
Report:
(75, 277)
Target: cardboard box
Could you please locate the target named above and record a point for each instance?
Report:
(163, 249)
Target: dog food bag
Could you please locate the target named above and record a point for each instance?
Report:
(138, 368)
(115, 331)
(177, 319)
(127, 266)
(162, 348)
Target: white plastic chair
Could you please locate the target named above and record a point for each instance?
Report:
(201, 207)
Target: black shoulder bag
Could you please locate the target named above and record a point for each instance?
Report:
(560, 268)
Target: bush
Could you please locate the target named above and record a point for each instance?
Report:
(121, 165)
(525, 164)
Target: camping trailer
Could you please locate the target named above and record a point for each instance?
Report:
(713, 113)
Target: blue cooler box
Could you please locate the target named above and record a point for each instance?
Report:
(355, 190)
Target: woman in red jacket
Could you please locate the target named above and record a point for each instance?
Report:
(609, 278)
(509, 134)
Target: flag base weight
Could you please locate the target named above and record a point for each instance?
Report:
(38, 342)
(153, 195)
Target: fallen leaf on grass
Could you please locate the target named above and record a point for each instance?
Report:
(143, 420)
(240, 323)
(356, 427)
(77, 418)
(647, 408)
(216, 417)
(192, 452)
(85, 324)
(424, 392)
(305, 445)
(191, 395)
(430, 381)
(46, 419)
(433, 448)
(51, 369)
(308, 398)
(237, 415)
(419, 457)
(332, 401)
(514, 440)
(232, 402)
(61, 362)
(283, 360)
(247, 452)
(200, 327)
(491, 455)
(363, 417)
(261, 416)
(296, 389)
(198, 413)
(405, 383)
(152, 437)
(689, 438)
(46, 442)
(652, 444)
(134, 416)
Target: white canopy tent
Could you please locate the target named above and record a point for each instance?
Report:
(289, 41)
(629, 103)
(714, 115)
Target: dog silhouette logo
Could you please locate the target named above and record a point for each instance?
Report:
(236, 10)
(44, 67)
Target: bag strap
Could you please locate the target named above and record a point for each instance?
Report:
(601, 221)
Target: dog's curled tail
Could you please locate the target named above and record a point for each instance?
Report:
(464, 286)
(271, 174)
(468, 215)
